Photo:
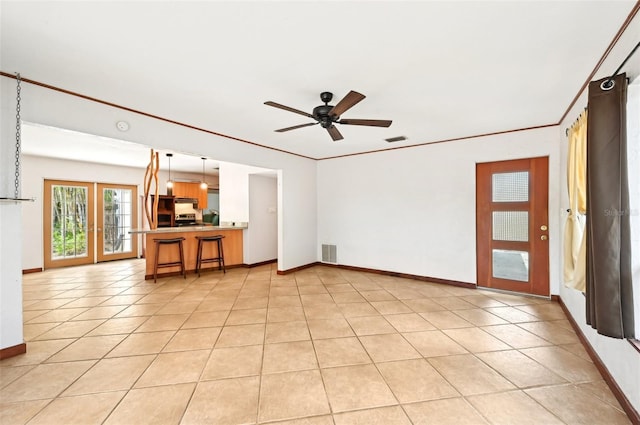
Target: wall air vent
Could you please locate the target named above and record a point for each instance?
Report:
(329, 254)
(396, 139)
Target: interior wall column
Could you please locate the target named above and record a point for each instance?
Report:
(11, 335)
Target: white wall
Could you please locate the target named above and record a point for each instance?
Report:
(234, 191)
(413, 210)
(619, 357)
(37, 169)
(261, 238)
(10, 235)
(298, 175)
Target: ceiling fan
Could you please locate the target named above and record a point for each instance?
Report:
(327, 115)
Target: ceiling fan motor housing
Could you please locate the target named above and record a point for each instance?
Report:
(321, 114)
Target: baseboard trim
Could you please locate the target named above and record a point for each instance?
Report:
(628, 408)
(34, 270)
(188, 272)
(15, 350)
(261, 263)
(404, 275)
(299, 268)
(385, 273)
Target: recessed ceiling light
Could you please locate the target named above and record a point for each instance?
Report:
(396, 139)
(122, 125)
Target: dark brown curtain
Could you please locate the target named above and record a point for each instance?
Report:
(609, 291)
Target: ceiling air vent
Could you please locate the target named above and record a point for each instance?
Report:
(396, 139)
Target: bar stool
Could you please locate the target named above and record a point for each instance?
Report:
(219, 259)
(157, 265)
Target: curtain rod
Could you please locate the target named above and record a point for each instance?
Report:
(608, 83)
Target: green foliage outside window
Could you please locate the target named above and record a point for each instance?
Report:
(69, 221)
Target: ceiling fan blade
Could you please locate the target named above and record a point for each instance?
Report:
(347, 102)
(373, 123)
(287, 108)
(282, 130)
(334, 133)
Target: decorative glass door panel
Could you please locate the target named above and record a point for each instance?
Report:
(116, 217)
(68, 223)
(511, 226)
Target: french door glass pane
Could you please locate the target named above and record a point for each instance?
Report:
(117, 219)
(512, 265)
(510, 187)
(69, 222)
(511, 226)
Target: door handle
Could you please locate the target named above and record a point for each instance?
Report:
(543, 237)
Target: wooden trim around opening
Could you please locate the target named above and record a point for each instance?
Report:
(15, 350)
(34, 270)
(628, 408)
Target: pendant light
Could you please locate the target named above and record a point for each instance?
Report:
(203, 184)
(169, 182)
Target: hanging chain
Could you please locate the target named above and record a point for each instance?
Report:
(18, 137)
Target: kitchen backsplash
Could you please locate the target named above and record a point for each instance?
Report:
(188, 209)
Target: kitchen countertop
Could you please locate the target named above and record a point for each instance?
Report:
(182, 229)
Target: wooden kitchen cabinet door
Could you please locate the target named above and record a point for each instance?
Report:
(202, 198)
(186, 190)
(191, 190)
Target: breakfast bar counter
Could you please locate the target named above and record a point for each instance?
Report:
(232, 245)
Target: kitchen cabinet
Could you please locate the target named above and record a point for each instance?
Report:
(232, 247)
(191, 190)
(166, 211)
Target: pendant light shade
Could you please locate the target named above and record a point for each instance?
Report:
(203, 183)
(169, 182)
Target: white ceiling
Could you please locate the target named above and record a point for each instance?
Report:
(439, 69)
(51, 142)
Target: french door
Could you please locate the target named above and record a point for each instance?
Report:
(117, 214)
(72, 229)
(512, 225)
(68, 223)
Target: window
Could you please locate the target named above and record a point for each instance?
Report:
(633, 157)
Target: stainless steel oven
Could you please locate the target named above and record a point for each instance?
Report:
(186, 219)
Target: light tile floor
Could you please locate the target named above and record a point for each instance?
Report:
(317, 347)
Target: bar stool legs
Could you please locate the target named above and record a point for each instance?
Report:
(157, 265)
(219, 259)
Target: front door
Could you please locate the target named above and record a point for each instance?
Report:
(512, 225)
(68, 223)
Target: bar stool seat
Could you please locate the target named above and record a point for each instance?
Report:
(165, 242)
(218, 259)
